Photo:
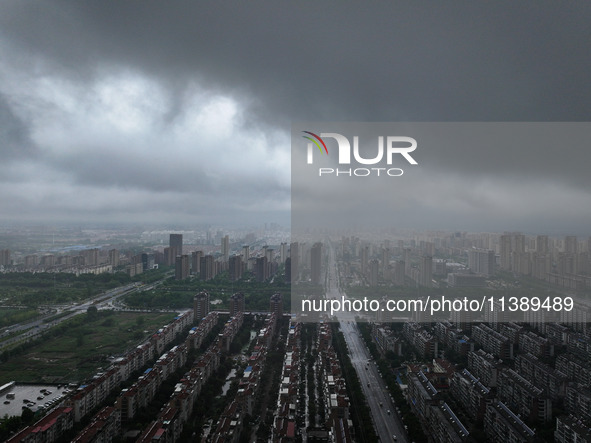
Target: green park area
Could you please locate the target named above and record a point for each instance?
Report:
(177, 294)
(27, 289)
(74, 350)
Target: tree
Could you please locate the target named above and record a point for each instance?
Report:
(92, 312)
(27, 416)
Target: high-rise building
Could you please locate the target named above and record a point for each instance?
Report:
(196, 261)
(316, 263)
(261, 270)
(518, 243)
(385, 262)
(181, 269)
(4, 257)
(201, 305)
(169, 256)
(226, 247)
(237, 303)
(207, 268)
(147, 261)
(48, 260)
(481, 261)
(90, 257)
(542, 247)
(570, 244)
(245, 253)
(398, 278)
(283, 252)
(288, 270)
(31, 261)
(364, 259)
(114, 257)
(176, 241)
(294, 254)
(235, 267)
(374, 266)
(406, 260)
(426, 275)
(269, 253)
(276, 304)
(505, 252)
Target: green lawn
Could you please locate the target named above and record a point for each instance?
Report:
(79, 349)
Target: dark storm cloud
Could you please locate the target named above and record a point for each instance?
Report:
(421, 61)
(14, 134)
(110, 94)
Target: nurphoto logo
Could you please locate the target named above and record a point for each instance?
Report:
(395, 145)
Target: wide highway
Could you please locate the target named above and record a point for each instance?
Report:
(387, 423)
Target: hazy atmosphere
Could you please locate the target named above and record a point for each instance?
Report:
(181, 112)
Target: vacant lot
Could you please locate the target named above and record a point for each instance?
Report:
(77, 348)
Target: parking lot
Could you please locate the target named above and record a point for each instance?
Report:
(32, 396)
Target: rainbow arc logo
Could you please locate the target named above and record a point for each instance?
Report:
(314, 141)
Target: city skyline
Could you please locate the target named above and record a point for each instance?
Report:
(153, 114)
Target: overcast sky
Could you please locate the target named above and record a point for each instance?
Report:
(180, 112)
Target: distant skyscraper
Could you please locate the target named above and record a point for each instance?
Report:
(426, 275)
(245, 253)
(428, 248)
(399, 272)
(48, 260)
(114, 257)
(201, 305)
(541, 265)
(374, 266)
(176, 241)
(207, 268)
(276, 304)
(294, 254)
(519, 243)
(31, 261)
(4, 257)
(316, 263)
(364, 259)
(283, 252)
(169, 256)
(570, 244)
(90, 257)
(196, 261)
(481, 261)
(288, 270)
(269, 253)
(181, 267)
(385, 262)
(261, 269)
(237, 303)
(505, 252)
(235, 267)
(406, 260)
(226, 247)
(542, 244)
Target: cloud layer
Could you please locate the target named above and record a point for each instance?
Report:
(181, 113)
